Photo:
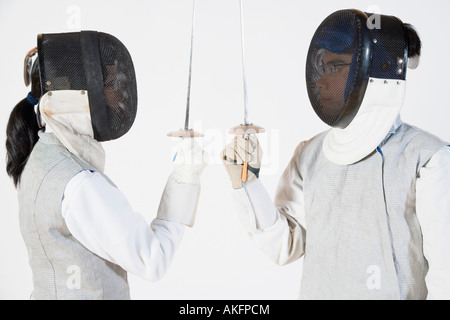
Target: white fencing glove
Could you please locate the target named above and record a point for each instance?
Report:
(242, 160)
(189, 162)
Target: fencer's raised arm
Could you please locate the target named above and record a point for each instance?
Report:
(100, 217)
(275, 228)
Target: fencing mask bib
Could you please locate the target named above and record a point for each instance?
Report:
(355, 76)
(98, 63)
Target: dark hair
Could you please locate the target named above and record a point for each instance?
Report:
(22, 131)
(414, 43)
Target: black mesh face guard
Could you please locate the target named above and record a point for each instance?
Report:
(343, 54)
(96, 62)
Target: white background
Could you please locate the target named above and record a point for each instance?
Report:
(216, 259)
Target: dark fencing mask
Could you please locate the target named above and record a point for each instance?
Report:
(346, 50)
(96, 62)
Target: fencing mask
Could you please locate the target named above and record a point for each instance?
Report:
(355, 75)
(98, 63)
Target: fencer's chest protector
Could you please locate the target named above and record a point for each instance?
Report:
(363, 237)
(62, 267)
(96, 62)
(355, 75)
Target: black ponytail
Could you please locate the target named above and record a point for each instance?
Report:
(414, 43)
(22, 131)
(21, 136)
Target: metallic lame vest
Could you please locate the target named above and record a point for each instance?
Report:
(363, 239)
(62, 267)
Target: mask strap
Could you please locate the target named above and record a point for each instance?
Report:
(27, 63)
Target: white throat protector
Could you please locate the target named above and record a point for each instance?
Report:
(66, 113)
(380, 107)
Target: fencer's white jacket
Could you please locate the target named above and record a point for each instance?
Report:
(81, 233)
(377, 229)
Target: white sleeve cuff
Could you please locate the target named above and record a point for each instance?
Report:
(254, 206)
(179, 202)
(265, 212)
